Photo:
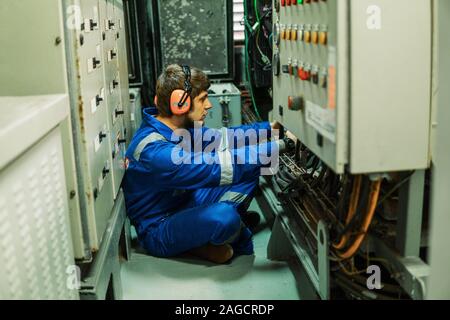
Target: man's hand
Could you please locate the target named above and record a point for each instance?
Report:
(276, 125)
(291, 136)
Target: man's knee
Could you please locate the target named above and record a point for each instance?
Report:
(225, 219)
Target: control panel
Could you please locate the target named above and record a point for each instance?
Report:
(352, 81)
(98, 77)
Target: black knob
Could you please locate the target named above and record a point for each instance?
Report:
(105, 172)
(96, 62)
(101, 136)
(93, 24)
(110, 24)
(115, 83)
(121, 141)
(113, 54)
(119, 112)
(98, 99)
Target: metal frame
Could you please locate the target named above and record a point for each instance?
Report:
(135, 72)
(411, 272)
(285, 243)
(105, 271)
(409, 224)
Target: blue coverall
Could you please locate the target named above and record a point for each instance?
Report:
(177, 207)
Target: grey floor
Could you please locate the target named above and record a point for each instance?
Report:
(245, 278)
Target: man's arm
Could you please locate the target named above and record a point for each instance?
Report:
(172, 167)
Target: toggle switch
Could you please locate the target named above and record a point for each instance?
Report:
(301, 31)
(305, 74)
(288, 32)
(95, 62)
(315, 34)
(294, 31)
(307, 34)
(283, 32)
(92, 24)
(315, 74)
(101, 136)
(98, 99)
(323, 35)
(323, 78)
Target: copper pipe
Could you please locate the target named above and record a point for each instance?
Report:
(373, 199)
(354, 199)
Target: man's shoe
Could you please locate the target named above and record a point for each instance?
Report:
(251, 219)
(216, 254)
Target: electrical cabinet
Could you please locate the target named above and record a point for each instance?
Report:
(99, 114)
(76, 50)
(226, 110)
(35, 238)
(352, 81)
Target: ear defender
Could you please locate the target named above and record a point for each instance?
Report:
(177, 106)
(180, 100)
(156, 101)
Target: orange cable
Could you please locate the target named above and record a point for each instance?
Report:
(373, 199)
(354, 199)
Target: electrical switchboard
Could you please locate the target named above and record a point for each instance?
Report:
(352, 81)
(79, 49)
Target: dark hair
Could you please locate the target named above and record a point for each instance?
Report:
(173, 78)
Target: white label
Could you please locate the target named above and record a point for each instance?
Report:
(132, 117)
(99, 51)
(87, 25)
(114, 118)
(96, 17)
(94, 105)
(321, 119)
(97, 143)
(100, 183)
(120, 24)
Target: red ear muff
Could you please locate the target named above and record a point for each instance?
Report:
(175, 99)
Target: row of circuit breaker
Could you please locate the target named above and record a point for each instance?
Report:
(103, 111)
(308, 33)
(293, 39)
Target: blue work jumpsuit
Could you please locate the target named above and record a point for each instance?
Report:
(177, 207)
